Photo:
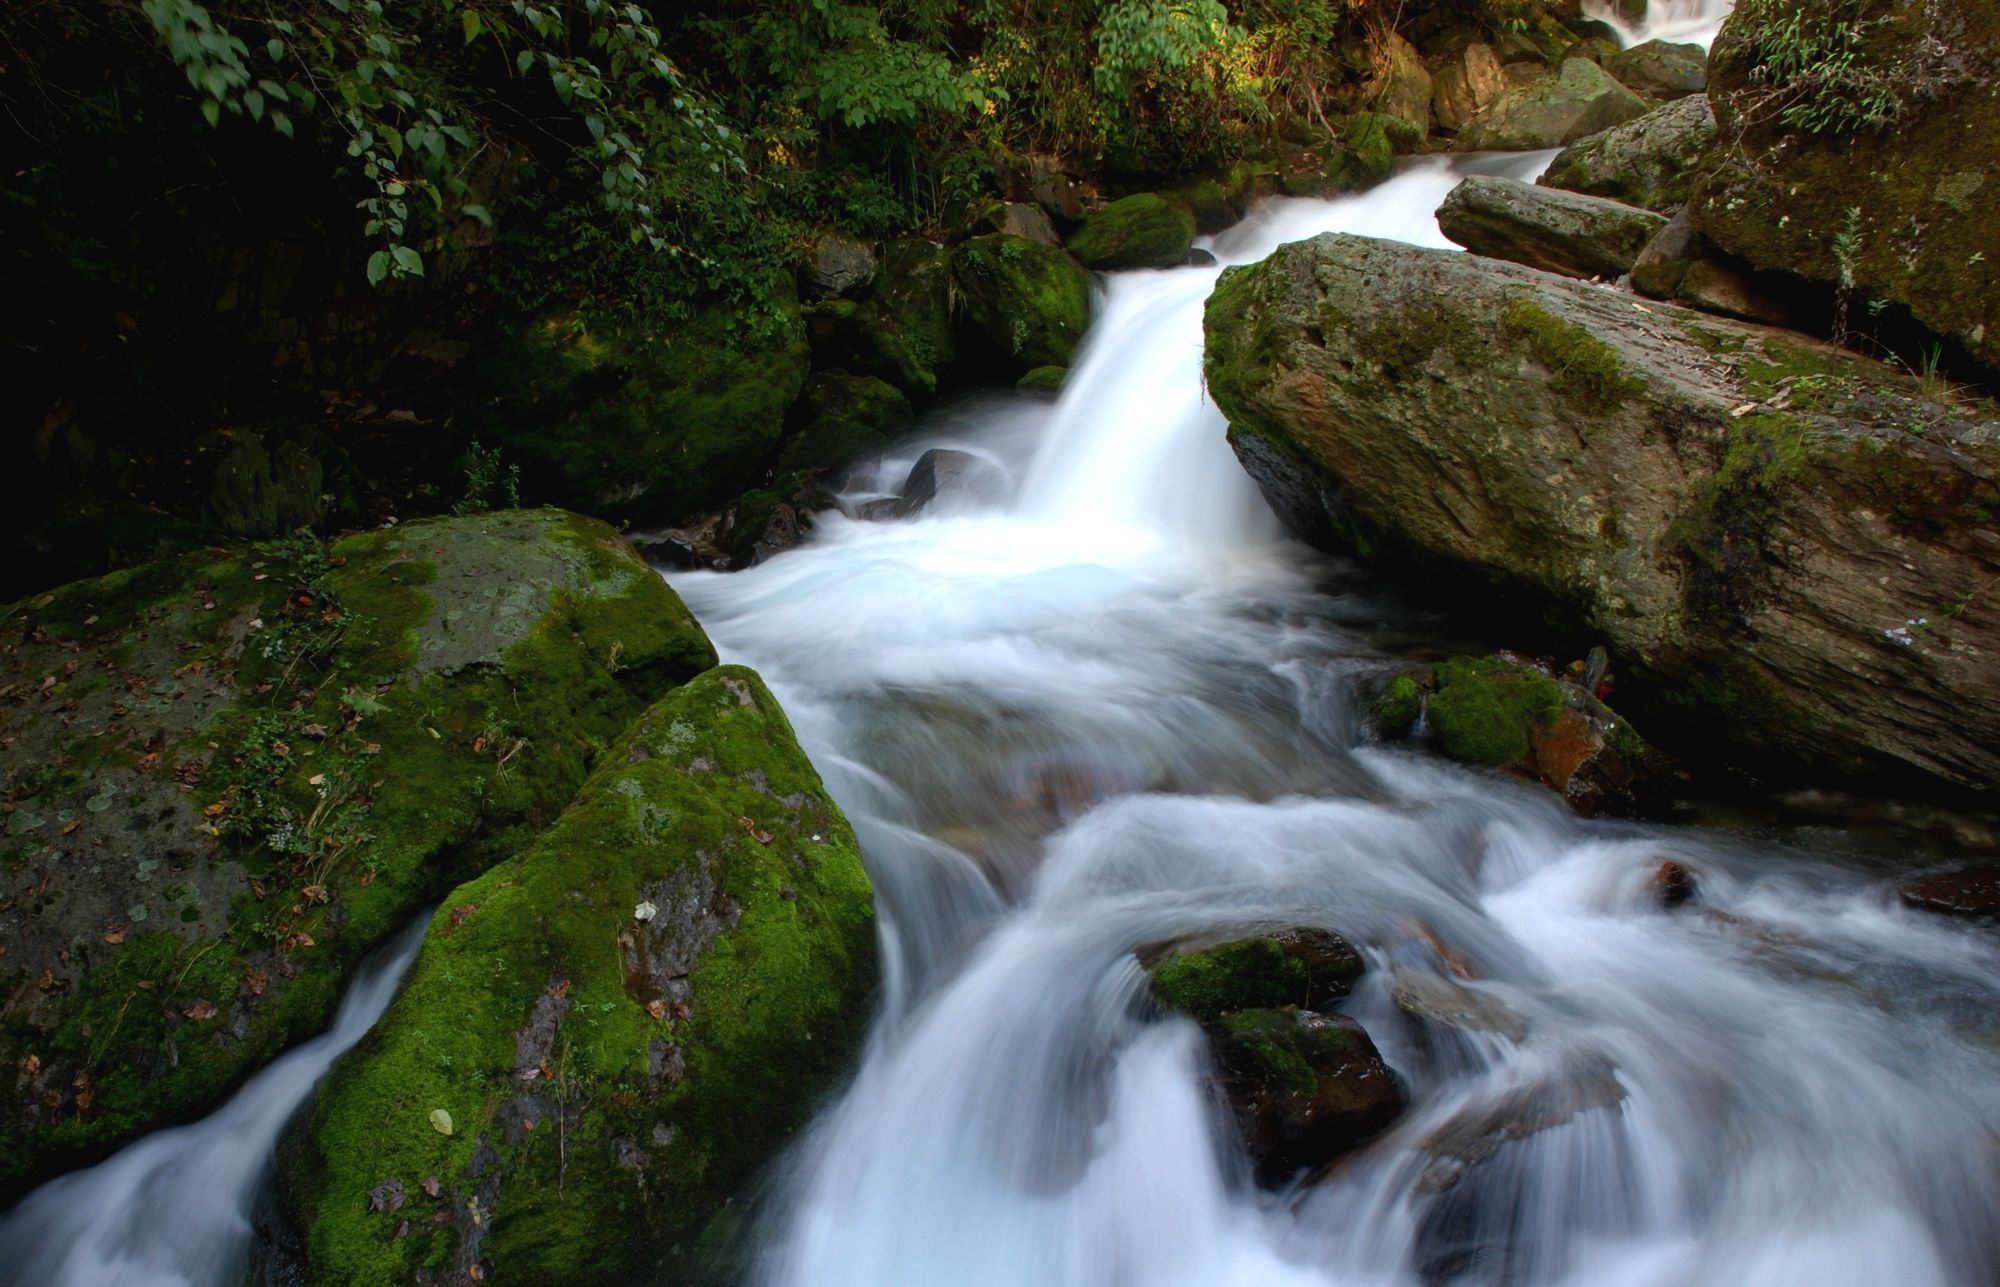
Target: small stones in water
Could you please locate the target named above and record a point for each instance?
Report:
(1673, 884)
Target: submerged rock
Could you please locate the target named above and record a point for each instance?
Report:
(942, 474)
(1746, 518)
(1559, 232)
(622, 1022)
(1646, 162)
(1031, 301)
(231, 774)
(1553, 111)
(1972, 892)
(1307, 1086)
(1142, 231)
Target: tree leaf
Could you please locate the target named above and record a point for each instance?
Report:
(474, 24)
(440, 1121)
(408, 261)
(378, 267)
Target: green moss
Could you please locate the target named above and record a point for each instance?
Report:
(1032, 301)
(1398, 707)
(1252, 973)
(641, 424)
(1145, 230)
(1584, 369)
(1043, 379)
(1275, 1042)
(758, 962)
(1485, 709)
(436, 700)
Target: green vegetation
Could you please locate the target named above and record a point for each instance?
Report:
(1814, 62)
(1586, 370)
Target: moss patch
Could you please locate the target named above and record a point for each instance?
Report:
(621, 1022)
(1031, 301)
(1142, 231)
(1584, 369)
(1485, 711)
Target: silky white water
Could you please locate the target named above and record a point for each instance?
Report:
(1688, 21)
(175, 1209)
(1111, 707)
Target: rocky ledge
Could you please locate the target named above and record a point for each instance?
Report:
(1793, 552)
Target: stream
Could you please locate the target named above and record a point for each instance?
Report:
(1099, 702)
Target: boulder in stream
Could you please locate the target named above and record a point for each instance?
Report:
(1306, 1084)
(1790, 549)
(230, 774)
(1146, 230)
(1030, 301)
(617, 1024)
(1559, 232)
(1661, 69)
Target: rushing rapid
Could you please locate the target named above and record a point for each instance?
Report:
(1099, 703)
(1691, 21)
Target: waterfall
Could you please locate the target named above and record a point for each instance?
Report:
(1691, 21)
(1104, 706)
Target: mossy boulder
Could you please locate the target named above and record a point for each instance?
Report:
(643, 423)
(230, 774)
(1767, 533)
(1043, 379)
(1649, 161)
(902, 331)
(1306, 1084)
(1661, 69)
(1145, 230)
(1553, 111)
(1030, 302)
(605, 1035)
(1887, 184)
(1359, 155)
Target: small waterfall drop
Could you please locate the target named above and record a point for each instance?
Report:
(1687, 21)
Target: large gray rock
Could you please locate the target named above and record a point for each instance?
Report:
(1404, 88)
(1553, 111)
(1744, 516)
(1661, 69)
(1559, 232)
(1649, 161)
(840, 264)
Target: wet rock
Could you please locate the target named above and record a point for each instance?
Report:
(664, 1061)
(1199, 258)
(1297, 967)
(1501, 712)
(849, 416)
(1142, 231)
(1553, 111)
(840, 265)
(1649, 161)
(1840, 204)
(1031, 301)
(950, 476)
(1307, 1088)
(1481, 1129)
(1660, 69)
(1674, 885)
(272, 757)
(1043, 379)
(1558, 232)
(1741, 516)
(1423, 995)
(1971, 892)
(1358, 156)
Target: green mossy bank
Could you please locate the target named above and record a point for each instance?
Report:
(230, 774)
(616, 1024)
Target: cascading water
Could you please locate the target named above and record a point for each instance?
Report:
(175, 1209)
(1111, 708)
(1691, 21)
